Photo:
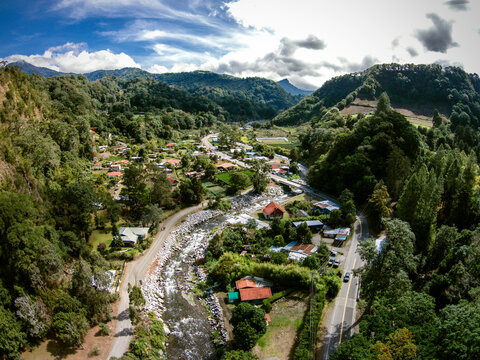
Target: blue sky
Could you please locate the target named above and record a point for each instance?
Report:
(306, 41)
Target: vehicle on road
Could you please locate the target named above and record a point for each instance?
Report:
(346, 277)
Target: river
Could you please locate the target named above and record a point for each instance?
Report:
(190, 336)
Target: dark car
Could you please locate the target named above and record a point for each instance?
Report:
(336, 263)
(330, 262)
(346, 277)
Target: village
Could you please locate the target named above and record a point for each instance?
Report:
(299, 229)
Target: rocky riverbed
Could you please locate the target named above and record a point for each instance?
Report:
(169, 289)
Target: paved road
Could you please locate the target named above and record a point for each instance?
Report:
(134, 272)
(340, 321)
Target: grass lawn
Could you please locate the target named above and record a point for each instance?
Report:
(215, 190)
(99, 236)
(286, 316)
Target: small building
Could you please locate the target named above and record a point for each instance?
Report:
(325, 206)
(115, 167)
(256, 294)
(245, 283)
(226, 166)
(114, 174)
(124, 162)
(273, 211)
(232, 296)
(132, 235)
(314, 225)
(171, 145)
(193, 174)
(174, 162)
(337, 234)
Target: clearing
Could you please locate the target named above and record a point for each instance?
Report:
(286, 319)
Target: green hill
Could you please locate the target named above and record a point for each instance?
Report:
(243, 99)
(428, 86)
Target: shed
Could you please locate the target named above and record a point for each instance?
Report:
(255, 294)
(232, 296)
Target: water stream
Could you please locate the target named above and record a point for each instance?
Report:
(190, 335)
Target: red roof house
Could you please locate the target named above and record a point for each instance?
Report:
(114, 174)
(174, 162)
(170, 144)
(245, 283)
(273, 211)
(226, 166)
(255, 294)
(121, 162)
(174, 182)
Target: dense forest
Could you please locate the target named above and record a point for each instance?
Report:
(449, 88)
(241, 98)
(420, 292)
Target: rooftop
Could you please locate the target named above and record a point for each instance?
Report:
(270, 208)
(257, 293)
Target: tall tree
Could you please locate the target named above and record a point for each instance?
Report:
(135, 190)
(260, 178)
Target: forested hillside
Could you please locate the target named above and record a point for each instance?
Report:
(428, 85)
(241, 98)
(420, 291)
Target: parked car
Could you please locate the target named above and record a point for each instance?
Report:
(346, 277)
(330, 262)
(336, 263)
(333, 253)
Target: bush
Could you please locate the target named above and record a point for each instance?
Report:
(94, 352)
(103, 329)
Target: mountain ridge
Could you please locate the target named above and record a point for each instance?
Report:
(427, 85)
(292, 89)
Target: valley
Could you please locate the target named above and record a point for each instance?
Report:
(201, 216)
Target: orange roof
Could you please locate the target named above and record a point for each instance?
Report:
(270, 208)
(267, 317)
(275, 166)
(245, 283)
(226, 165)
(172, 161)
(305, 248)
(171, 144)
(173, 181)
(257, 293)
(114, 173)
(121, 162)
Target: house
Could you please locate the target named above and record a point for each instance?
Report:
(170, 145)
(273, 211)
(193, 174)
(337, 234)
(314, 225)
(115, 167)
(226, 166)
(124, 162)
(174, 162)
(173, 181)
(325, 206)
(245, 283)
(114, 174)
(132, 235)
(256, 294)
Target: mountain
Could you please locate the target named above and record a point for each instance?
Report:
(244, 99)
(32, 69)
(451, 89)
(292, 89)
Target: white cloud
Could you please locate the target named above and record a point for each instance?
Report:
(76, 58)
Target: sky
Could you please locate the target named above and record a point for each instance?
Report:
(306, 41)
